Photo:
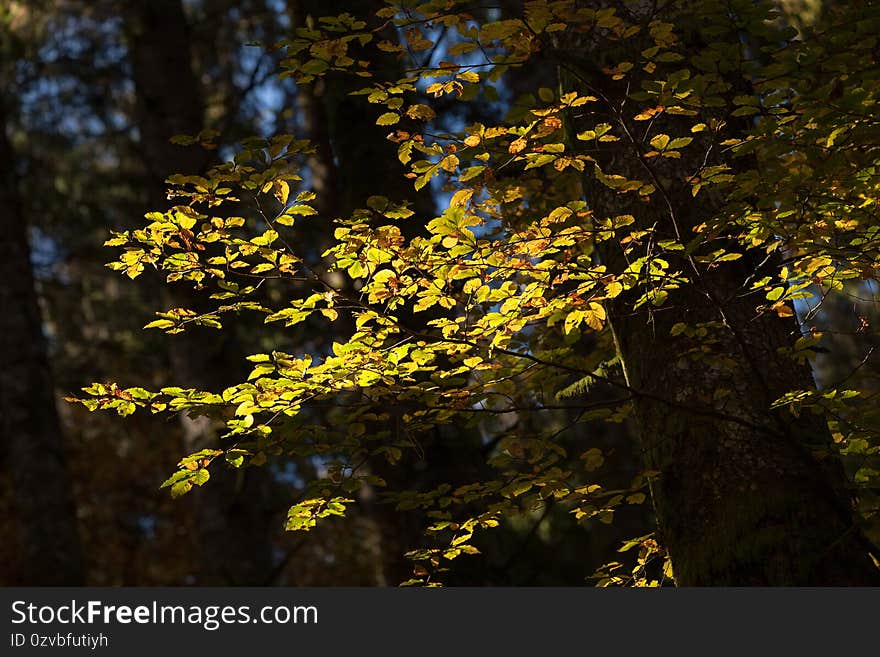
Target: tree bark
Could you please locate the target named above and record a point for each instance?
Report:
(740, 494)
(32, 439)
(744, 495)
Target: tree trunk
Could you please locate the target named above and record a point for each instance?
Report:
(29, 424)
(744, 495)
(740, 495)
(234, 512)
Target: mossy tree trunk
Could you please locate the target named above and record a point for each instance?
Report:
(744, 494)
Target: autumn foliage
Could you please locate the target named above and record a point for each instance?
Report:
(645, 235)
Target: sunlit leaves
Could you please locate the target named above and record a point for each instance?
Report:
(593, 316)
(304, 516)
(684, 164)
(388, 118)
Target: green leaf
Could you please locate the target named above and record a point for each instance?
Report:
(302, 210)
(470, 173)
(201, 476)
(660, 142)
(160, 324)
(388, 118)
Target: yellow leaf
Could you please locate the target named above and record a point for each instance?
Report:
(461, 197)
(660, 142)
(449, 163)
(518, 145)
(303, 210)
(782, 309)
(613, 289)
(647, 114)
(160, 324)
(572, 320)
(281, 191)
(471, 172)
(388, 118)
(595, 316)
(422, 112)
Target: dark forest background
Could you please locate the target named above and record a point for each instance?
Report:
(90, 93)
